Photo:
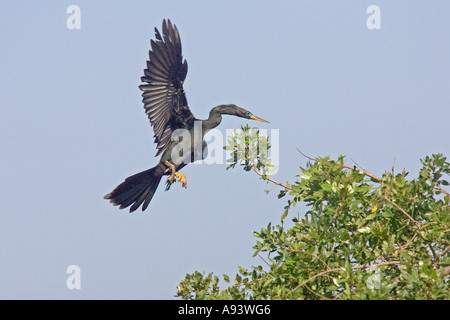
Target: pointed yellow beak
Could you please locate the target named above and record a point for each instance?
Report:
(258, 119)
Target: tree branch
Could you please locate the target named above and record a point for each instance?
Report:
(374, 177)
(361, 170)
(312, 159)
(269, 179)
(403, 211)
(408, 243)
(338, 269)
(442, 190)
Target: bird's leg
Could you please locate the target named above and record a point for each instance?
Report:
(175, 175)
(171, 168)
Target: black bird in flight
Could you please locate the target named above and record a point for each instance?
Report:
(166, 107)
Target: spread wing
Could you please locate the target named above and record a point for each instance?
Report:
(164, 100)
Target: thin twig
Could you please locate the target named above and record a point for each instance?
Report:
(263, 260)
(338, 269)
(432, 250)
(269, 179)
(307, 253)
(374, 177)
(348, 167)
(393, 164)
(409, 242)
(357, 164)
(445, 250)
(442, 190)
(316, 293)
(364, 171)
(312, 159)
(402, 211)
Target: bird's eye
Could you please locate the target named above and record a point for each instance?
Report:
(248, 113)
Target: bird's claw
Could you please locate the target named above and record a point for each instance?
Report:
(181, 178)
(175, 175)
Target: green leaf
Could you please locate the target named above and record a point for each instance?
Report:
(284, 215)
(242, 270)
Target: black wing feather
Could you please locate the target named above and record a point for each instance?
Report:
(163, 96)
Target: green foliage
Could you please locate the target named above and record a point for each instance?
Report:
(361, 237)
(249, 148)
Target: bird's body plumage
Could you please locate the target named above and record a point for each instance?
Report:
(167, 109)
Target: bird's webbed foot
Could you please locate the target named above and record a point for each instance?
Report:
(174, 176)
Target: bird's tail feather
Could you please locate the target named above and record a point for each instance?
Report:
(135, 190)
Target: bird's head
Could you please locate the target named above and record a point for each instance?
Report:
(234, 110)
(249, 115)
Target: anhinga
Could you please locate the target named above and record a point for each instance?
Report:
(167, 109)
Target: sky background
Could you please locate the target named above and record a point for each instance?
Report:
(72, 127)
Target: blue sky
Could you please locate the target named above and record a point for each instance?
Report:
(73, 127)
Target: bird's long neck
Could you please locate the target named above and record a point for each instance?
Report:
(214, 119)
(215, 116)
